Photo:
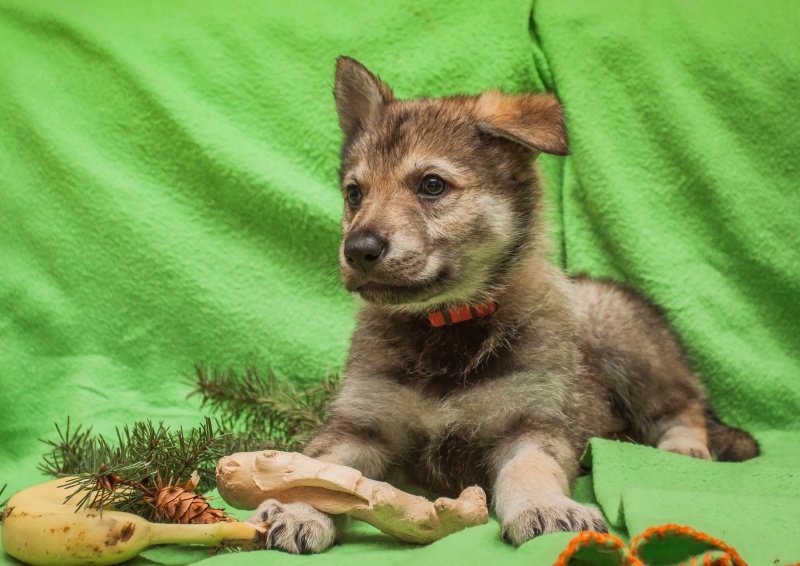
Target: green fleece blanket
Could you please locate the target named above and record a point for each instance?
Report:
(168, 196)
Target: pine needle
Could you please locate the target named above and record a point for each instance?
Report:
(265, 405)
(4, 503)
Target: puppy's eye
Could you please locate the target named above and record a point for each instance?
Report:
(432, 186)
(353, 195)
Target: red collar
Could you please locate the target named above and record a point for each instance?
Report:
(449, 317)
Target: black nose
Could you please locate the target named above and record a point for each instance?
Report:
(362, 250)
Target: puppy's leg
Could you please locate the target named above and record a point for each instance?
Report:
(531, 490)
(299, 528)
(340, 443)
(630, 348)
(685, 432)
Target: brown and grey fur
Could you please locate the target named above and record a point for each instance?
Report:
(508, 401)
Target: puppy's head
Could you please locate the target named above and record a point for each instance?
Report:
(440, 195)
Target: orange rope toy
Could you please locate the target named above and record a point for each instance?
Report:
(600, 548)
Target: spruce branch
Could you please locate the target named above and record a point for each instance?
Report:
(159, 473)
(128, 474)
(265, 405)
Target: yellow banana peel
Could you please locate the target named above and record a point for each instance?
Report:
(39, 529)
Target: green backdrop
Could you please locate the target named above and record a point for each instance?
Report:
(168, 196)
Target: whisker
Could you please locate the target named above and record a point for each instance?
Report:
(325, 278)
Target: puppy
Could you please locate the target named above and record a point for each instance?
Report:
(475, 361)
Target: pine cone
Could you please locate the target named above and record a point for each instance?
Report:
(178, 504)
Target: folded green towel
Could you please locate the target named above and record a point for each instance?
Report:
(752, 506)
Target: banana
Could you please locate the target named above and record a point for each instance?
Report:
(39, 529)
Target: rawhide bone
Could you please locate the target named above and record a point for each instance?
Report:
(246, 479)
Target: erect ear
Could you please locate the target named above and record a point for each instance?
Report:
(533, 120)
(359, 95)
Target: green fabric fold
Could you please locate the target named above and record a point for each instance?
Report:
(683, 179)
(751, 506)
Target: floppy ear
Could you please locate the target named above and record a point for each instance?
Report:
(533, 120)
(359, 95)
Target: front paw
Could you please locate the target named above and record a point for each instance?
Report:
(552, 515)
(297, 528)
